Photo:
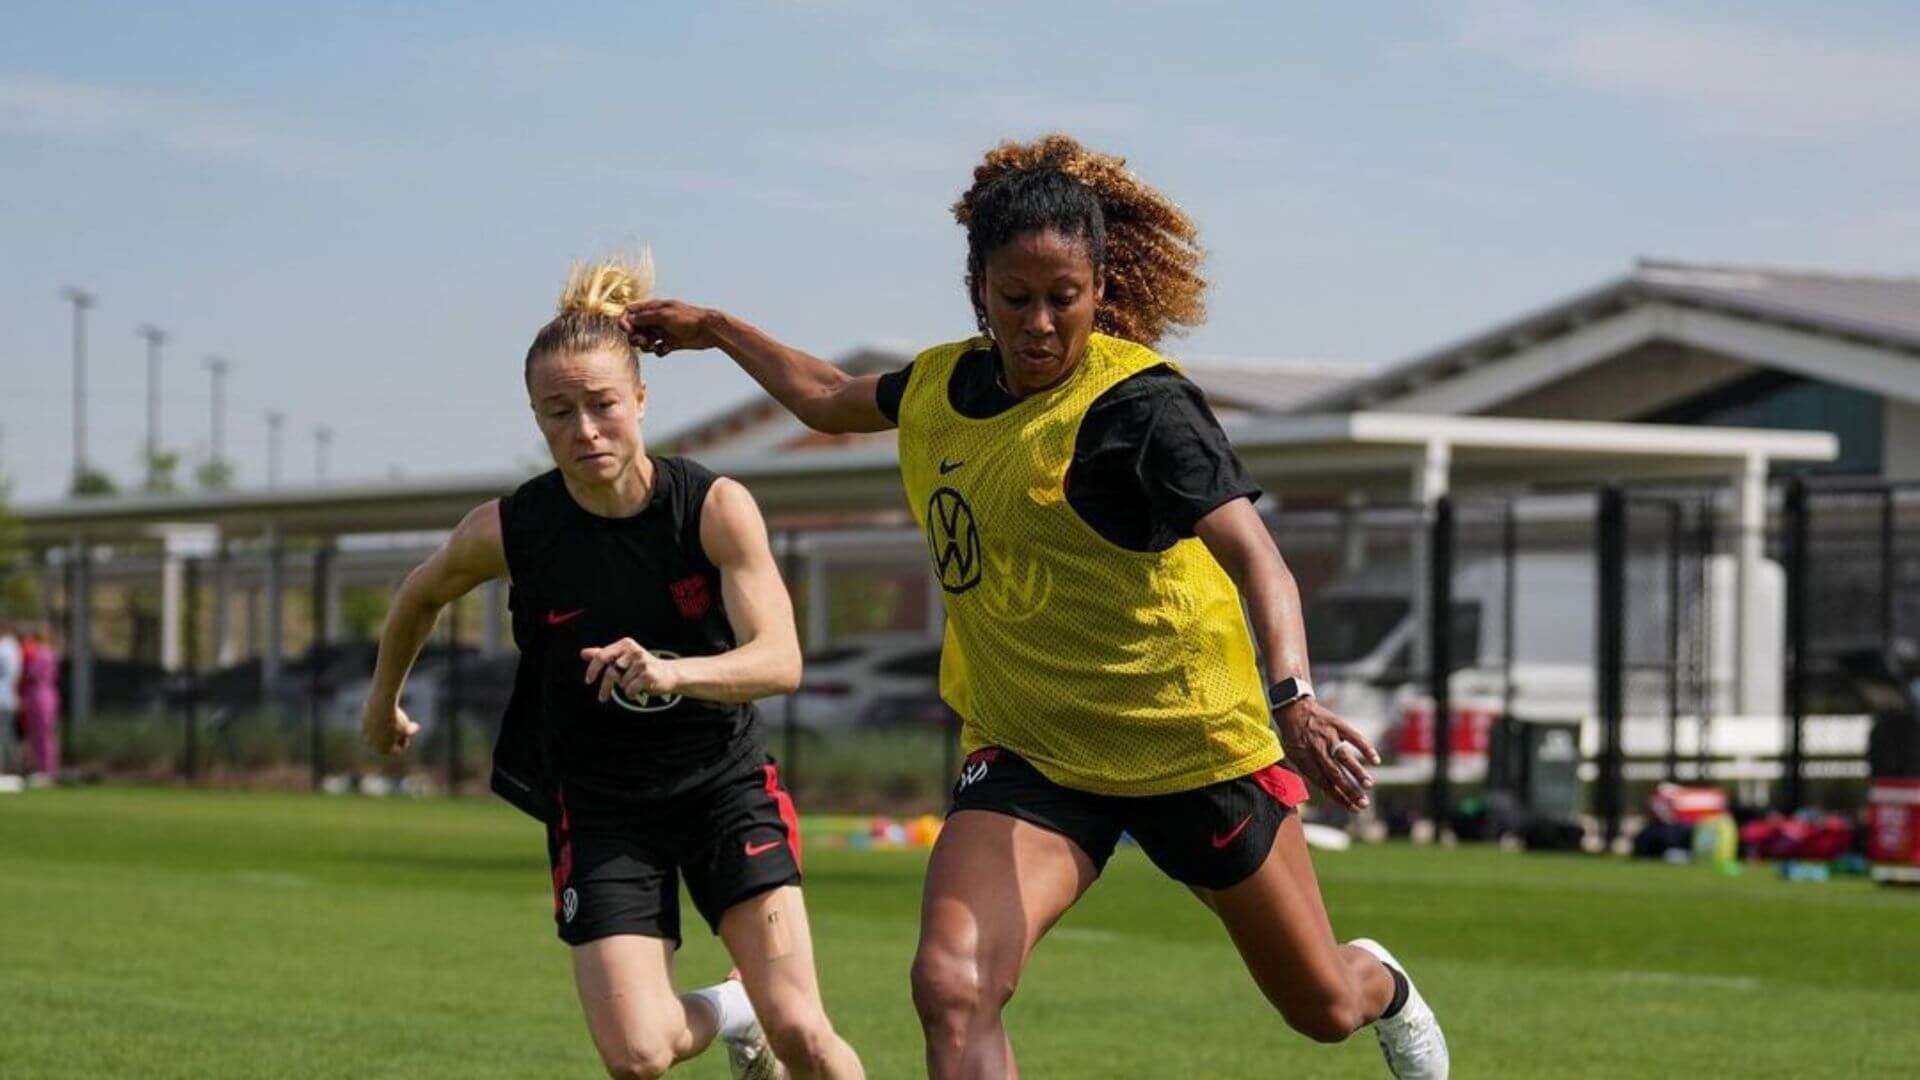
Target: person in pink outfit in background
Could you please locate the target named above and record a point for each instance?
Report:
(40, 700)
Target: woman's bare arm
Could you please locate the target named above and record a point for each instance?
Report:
(821, 395)
(473, 554)
(1311, 733)
(766, 659)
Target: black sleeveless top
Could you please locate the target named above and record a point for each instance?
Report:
(578, 581)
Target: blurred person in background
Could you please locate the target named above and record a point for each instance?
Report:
(10, 731)
(40, 700)
(649, 615)
(1094, 536)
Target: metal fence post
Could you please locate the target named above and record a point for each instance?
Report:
(1509, 605)
(316, 684)
(79, 710)
(1889, 569)
(1674, 600)
(272, 649)
(1793, 792)
(1610, 657)
(189, 675)
(1440, 658)
(1706, 544)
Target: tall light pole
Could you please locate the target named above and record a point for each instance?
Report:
(218, 368)
(156, 337)
(81, 300)
(322, 442)
(275, 421)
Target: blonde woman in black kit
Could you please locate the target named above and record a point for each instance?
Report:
(650, 615)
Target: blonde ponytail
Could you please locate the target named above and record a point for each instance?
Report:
(608, 286)
(596, 295)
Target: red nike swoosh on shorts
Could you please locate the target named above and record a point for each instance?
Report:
(761, 849)
(555, 618)
(1223, 841)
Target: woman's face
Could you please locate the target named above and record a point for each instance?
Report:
(1041, 291)
(589, 406)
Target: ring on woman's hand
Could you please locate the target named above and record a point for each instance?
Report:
(622, 664)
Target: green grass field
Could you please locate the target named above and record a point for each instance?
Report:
(187, 934)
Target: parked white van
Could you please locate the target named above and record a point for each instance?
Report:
(1364, 634)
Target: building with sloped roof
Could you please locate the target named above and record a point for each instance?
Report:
(1695, 344)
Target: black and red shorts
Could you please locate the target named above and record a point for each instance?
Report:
(1209, 837)
(620, 874)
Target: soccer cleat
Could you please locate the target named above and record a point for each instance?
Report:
(1411, 1041)
(749, 1057)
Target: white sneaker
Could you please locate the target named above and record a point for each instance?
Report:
(749, 1057)
(1411, 1041)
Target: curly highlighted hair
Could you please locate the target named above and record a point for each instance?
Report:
(595, 296)
(1145, 245)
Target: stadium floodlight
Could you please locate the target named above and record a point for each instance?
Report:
(155, 337)
(81, 300)
(322, 442)
(275, 422)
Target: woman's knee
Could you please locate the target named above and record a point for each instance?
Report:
(802, 1042)
(949, 988)
(638, 1060)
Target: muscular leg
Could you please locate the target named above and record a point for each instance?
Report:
(768, 937)
(639, 1026)
(994, 886)
(1325, 990)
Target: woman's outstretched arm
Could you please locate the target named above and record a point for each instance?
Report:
(822, 396)
(473, 554)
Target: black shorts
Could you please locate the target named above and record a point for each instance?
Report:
(732, 840)
(1210, 837)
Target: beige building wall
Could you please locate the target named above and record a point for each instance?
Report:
(1627, 386)
(1900, 428)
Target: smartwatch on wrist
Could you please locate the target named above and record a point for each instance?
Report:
(1287, 691)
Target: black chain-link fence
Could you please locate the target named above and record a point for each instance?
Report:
(1852, 553)
(1524, 641)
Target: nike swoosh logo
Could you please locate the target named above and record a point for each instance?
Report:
(761, 849)
(948, 466)
(555, 618)
(1223, 841)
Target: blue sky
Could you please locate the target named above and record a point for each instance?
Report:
(370, 207)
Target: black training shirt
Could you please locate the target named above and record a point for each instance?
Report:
(582, 580)
(1150, 459)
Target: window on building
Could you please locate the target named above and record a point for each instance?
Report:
(1779, 401)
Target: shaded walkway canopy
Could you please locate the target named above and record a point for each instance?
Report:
(1388, 455)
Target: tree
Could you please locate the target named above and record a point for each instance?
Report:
(160, 469)
(92, 481)
(214, 476)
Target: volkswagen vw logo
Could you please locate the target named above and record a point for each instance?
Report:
(953, 540)
(648, 702)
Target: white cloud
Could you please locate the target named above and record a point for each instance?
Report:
(36, 104)
(1748, 78)
(65, 109)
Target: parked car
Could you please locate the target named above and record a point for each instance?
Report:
(874, 680)
(486, 682)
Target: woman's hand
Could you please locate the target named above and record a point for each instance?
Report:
(386, 727)
(1328, 750)
(629, 667)
(664, 326)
